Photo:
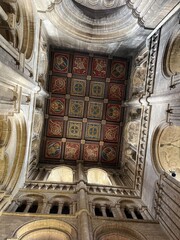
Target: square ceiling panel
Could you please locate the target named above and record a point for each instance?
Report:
(84, 111)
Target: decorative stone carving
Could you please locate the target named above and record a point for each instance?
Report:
(144, 11)
(132, 133)
(130, 154)
(38, 121)
(43, 63)
(35, 145)
(134, 114)
(39, 103)
(101, 4)
(154, 42)
(138, 81)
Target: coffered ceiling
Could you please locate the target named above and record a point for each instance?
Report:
(84, 112)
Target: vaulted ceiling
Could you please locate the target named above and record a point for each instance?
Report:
(113, 27)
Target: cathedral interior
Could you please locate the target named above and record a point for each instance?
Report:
(89, 120)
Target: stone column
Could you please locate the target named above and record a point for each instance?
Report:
(90, 207)
(119, 212)
(122, 211)
(103, 209)
(114, 212)
(42, 207)
(81, 174)
(71, 209)
(116, 179)
(46, 174)
(27, 207)
(33, 173)
(93, 210)
(84, 221)
(39, 174)
(3, 15)
(60, 206)
(132, 213)
(74, 207)
(48, 207)
(3, 203)
(12, 207)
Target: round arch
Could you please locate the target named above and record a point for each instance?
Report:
(98, 176)
(17, 139)
(61, 174)
(172, 55)
(165, 149)
(116, 232)
(42, 229)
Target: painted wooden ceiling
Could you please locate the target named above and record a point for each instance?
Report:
(84, 115)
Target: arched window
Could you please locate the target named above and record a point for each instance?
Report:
(65, 209)
(98, 176)
(54, 208)
(97, 210)
(33, 208)
(109, 212)
(128, 213)
(61, 174)
(138, 214)
(21, 207)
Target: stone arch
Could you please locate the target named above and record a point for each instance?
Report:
(61, 174)
(5, 131)
(25, 28)
(35, 196)
(18, 19)
(172, 55)
(63, 202)
(116, 232)
(101, 199)
(131, 209)
(15, 147)
(165, 149)
(98, 176)
(102, 206)
(127, 202)
(49, 227)
(61, 198)
(31, 199)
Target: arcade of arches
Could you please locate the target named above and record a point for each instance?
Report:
(89, 120)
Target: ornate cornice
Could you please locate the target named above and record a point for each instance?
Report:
(101, 4)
